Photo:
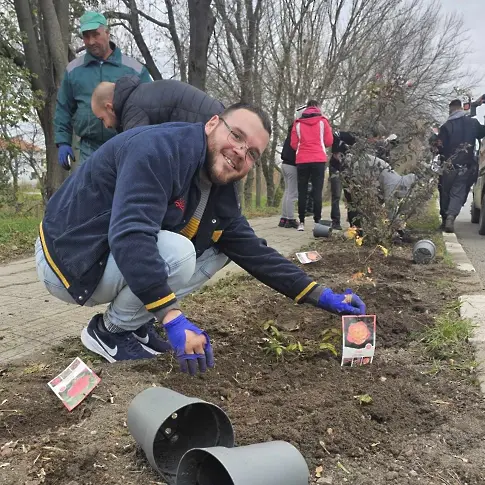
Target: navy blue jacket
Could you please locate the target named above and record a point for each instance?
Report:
(137, 183)
(457, 138)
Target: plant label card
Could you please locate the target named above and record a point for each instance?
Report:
(74, 383)
(308, 257)
(359, 339)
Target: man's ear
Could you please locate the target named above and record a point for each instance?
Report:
(211, 124)
(109, 106)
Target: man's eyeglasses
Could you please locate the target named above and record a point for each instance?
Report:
(237, 140)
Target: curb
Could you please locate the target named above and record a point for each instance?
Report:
(472, 306)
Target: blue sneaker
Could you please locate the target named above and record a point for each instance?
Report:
(150, 339)
(112, 346)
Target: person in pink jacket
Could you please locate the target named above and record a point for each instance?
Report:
(310, 135)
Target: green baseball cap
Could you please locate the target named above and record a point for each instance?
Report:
(92, 21)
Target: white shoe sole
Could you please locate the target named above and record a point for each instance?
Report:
(148, 349)
(92, 345)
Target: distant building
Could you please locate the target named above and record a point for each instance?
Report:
(30, 155)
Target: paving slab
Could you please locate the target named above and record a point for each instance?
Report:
(32, 320)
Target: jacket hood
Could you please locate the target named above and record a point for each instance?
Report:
(123, 89)
(456, 115)
(311, 111)
(311, 116)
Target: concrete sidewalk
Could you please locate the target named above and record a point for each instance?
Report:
(32, 320)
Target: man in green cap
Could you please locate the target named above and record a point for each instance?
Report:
(103, 61)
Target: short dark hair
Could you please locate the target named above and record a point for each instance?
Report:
(262, 115)
(456, 103)
(312, 102)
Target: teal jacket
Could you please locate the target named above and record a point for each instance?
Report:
(83, 74)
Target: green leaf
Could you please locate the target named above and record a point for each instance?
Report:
(328, 346)
(364, 398)
(274, 331)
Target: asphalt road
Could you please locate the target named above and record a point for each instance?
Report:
(472, 242)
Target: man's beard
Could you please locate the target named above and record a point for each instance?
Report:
(212, 173)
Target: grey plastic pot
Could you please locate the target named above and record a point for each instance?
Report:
(272, 463)
(322, 231)
(424, 251)
(167, 424)
(324, 222)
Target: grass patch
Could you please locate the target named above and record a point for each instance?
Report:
(426, 224)
(448, 338)
(427, 221)
(263, 211)
(17, 235)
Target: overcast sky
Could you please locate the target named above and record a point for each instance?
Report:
(473, 12)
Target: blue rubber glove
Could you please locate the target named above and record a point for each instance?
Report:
(347, 303)
(63, 154)
(176, 336)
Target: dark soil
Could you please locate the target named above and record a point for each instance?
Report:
(426, 422)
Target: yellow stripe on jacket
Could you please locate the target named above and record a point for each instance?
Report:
(161, 302)
(53, 265)
(190, 230)
(305, 291)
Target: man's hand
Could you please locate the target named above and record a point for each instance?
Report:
(191, 344)
(347, 303)
(64, 153)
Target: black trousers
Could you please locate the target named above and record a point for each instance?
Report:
(314, 171)
(455, 185)
(336, 191)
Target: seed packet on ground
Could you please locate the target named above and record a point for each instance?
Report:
(359, 339)
(74, 383)
(308, 257)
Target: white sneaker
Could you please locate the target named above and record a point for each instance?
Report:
(301, 227)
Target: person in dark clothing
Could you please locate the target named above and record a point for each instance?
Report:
(342, 140)
(127, 103)
(290, 195)
(149, 218)
(456, 145)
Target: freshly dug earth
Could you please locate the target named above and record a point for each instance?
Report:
(426, 422)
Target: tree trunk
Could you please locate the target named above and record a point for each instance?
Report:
(202, 23)
(55, 173)
(47, 63)
(258, 185)
(140, 42)
(58, 51)
(176, 41)
(15, 187)
(62, 10)
(32, 57)
(248, 190)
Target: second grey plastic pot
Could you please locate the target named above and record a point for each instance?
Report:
(322, 231)
(424, 251)
(272, 463)
(167, 424)
(324, 222)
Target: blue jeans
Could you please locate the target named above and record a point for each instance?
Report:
(186, 274)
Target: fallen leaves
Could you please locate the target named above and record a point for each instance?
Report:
(384, 250)
(34, 368)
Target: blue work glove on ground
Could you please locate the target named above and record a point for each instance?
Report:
(176, 336)
(346, 303)
(63, 154)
